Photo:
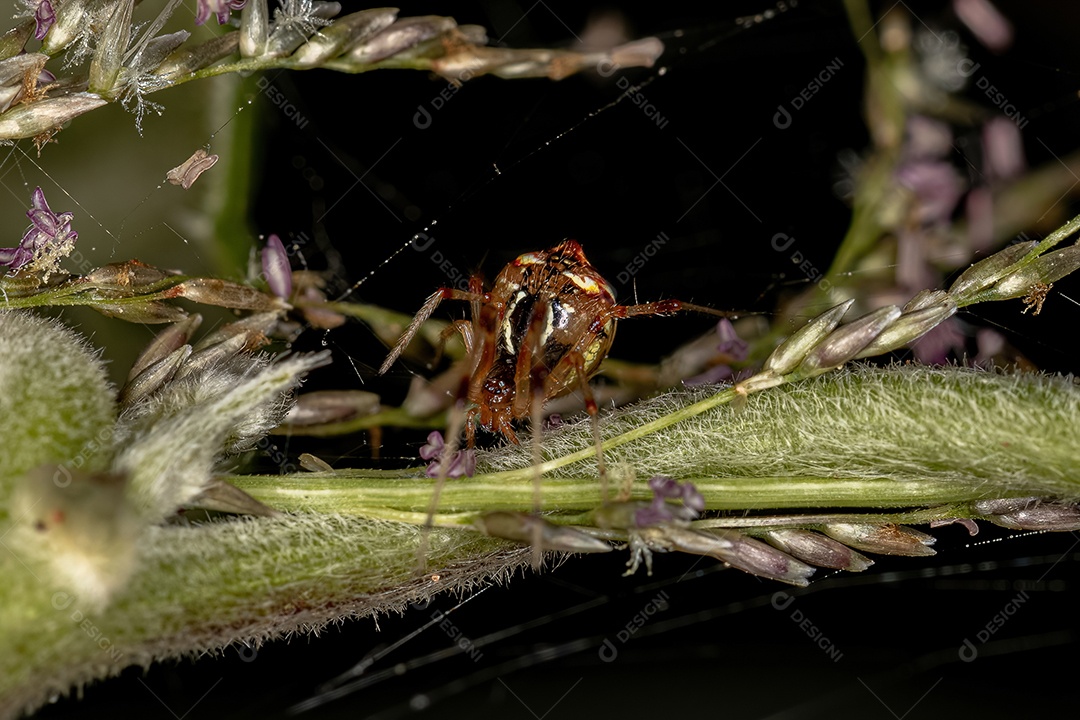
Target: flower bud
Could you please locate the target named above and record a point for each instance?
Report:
(211, 291)
(884, 539)
(787, 356)
(313, 463)
(220, 496)
(473, 34)
(1031, 514)
(910, 326)
(845, 342)
(254, 28)
(346, 32)
(526, 528)
(14, 69)
(153, 376)
(1046, 269)
(735, 549)
(28, 120)
(186, 61)
(150, 312)
(988, 271)
(14, 40)
(8, 95)
(166, 341)
(926, 298)
(967, 523)
(1001, 506)
(111, 45)
(284, 40)
(156, 50)
(124, 279)
(638, 53)
(276, 267)
(71, 20)
(403, 34)
(817, 549)
(213, 355)
(329, 406)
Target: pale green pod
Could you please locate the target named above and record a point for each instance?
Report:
(787, 356)
(254, 28)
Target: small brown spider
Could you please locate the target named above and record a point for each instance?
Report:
(1036, 297)
(539, 333)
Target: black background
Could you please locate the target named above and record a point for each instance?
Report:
(614, 182)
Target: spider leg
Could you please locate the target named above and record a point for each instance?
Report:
(476, 287)
(421, 317)
(530, 374)
(463, 328)
(594, 416)
(470, 427)
(663, 307)
(529, 351)
(458, 417)
(571, 369)
(537, 421)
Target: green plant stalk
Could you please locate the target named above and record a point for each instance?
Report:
(863, 438)
(353, 492)
(202, 588)
(237, 142)
(249, 65)
(74, 293)
(921, 516)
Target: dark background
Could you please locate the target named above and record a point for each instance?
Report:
(614, 181)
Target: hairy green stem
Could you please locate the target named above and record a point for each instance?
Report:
(866, 438)
(202, 588)
(353, 492)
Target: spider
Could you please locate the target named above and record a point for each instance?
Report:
(540, 332)
(1036, 297)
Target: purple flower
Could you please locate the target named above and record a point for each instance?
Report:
(44, 16)
(732, 347)
(48, 239)
(434, 446)
(275, 266)
(463, 463)
(221, 8)
(934, 347)
(1003, 148)
(985, 22)
(936, 186)
(660, 510)
(970, 525)
(730, 343)
(927, 139)
(990, 344)
(713, 376)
